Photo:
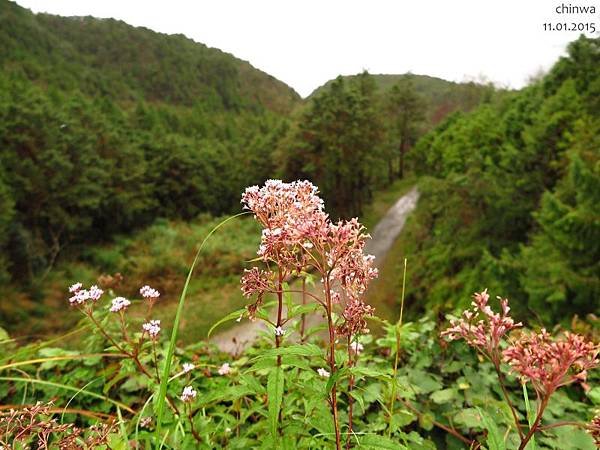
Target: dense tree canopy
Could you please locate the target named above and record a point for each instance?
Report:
(511, 201)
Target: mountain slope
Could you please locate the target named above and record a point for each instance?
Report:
(111, 58)
(105, 128)
(442, 97)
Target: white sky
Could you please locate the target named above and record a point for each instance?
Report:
(307, 42)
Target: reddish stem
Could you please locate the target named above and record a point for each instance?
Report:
(536, 423)
(332, 366)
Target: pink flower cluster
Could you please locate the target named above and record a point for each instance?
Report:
(256, 281)
(550, 363)
(481, 327)
(298, 235)
(594, 429)
(354, 318)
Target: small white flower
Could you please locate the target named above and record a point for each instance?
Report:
(149, 293)
(119, 303)
(95, 293)
(227, 430)
(356, 347)
(75, 287)
(188, 394)
(145, 422)
(279, 331)
(80, 297)
(188, 367)
(225, 369)
(322, 372)
(152, 327)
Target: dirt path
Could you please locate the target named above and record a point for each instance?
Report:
(237, 338)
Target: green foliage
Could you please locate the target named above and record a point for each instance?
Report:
(337, 145)
(568, 235)
(439, 389)
(406, 113)
(509, 200)
(441, 97)
(105, 127)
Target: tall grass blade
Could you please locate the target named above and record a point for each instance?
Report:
(397, 359)
(530, 418)
(162, 392)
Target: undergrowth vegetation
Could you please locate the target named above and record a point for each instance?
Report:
(125, 383)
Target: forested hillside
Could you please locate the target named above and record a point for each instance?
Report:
(511, 198)
(105, 127)
(441, 97)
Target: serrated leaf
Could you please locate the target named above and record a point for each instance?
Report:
(334, 378)
(594, 395)
(426, 421)
(373, 441)
(227, 318)
(469, 417)
(287, 296)
(495, 440)
(295, 350)
(401, 419)
(444, 396)
(275, 394)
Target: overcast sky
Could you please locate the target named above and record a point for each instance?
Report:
(307, 42)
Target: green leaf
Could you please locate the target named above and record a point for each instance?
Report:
(52, 352)
(275, 395)
(495, 440)
(469, 417)
(426, 421)
(287, 296)
(231, 316)
(572, 438)
(4, 335)
(444, 396)
(303, 309)
(292, 350)
(373, 441)
(594, 395)
(334, 378)
(401, 419)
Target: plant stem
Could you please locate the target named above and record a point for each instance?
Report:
(194, 432)
(350, 398)
(397, 359)
(278, 337)
(536, 423)
(331, 360)
(155, 360)
(279, 311)
(513, 410)
(303, 317)
(565, 423)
